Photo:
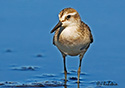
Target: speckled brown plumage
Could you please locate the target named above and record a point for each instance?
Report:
(72, 36)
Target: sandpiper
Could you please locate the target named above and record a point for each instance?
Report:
(72, 36)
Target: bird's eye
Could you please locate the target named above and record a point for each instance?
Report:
(68, 16)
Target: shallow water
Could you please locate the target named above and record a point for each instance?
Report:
(28, 58)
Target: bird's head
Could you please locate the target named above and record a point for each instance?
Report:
(68, 17)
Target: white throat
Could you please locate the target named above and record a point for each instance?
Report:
(70, 32)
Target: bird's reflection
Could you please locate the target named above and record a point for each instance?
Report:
(65, 85)
(78, 85)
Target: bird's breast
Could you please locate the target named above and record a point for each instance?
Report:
(70, 41)
(69, 35)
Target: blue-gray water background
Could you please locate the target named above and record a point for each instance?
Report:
(25, 40)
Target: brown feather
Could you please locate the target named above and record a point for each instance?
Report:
(86, 26)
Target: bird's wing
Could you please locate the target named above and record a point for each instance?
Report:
(86, 26)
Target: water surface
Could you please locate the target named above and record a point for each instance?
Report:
(27, 55)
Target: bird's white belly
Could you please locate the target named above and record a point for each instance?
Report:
(70, 42)
(72, 50)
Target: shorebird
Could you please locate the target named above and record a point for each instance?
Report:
(72, 36)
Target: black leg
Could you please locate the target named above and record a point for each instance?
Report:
(65, 71)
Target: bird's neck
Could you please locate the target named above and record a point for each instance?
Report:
(74, 26)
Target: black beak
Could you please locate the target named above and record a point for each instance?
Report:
(56, 27)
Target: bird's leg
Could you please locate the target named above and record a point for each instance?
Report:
(78, 85)
(65, 71)
(79, 69)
